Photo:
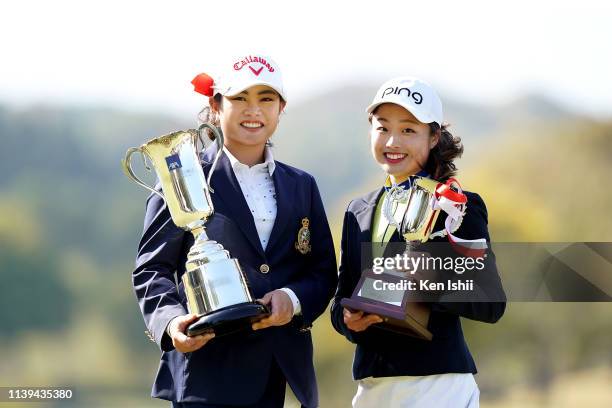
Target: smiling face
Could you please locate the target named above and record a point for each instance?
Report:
(399, 142)
(249, 119)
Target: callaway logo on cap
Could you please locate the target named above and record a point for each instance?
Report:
(414, 95)
(241, 74)
(249, 71)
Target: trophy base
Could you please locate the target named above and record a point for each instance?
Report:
(409, 321)
(228, 320)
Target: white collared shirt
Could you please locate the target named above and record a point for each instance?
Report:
(260, 194)
(258, 191)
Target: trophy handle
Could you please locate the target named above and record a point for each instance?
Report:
(219, 139)
(127, 169)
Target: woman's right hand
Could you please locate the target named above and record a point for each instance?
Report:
(358, 321)
(183, 343)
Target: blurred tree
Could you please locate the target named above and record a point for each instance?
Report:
(32, 295)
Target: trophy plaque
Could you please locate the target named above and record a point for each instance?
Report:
(414, 218)
(215, 285)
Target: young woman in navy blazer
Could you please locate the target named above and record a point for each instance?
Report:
(408, 138)
(260, 206)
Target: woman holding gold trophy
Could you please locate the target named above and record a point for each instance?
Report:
(409, 356)
(263, 253)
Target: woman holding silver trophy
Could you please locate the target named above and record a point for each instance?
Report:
(406, 355)
(259, 264)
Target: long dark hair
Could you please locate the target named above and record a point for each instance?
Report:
(440, 164)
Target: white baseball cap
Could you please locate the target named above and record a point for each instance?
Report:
(249, 71)
(414, 95)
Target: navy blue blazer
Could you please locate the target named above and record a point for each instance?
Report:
(383, 353)
(233, 370)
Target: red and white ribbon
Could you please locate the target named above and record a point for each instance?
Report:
(449, 197)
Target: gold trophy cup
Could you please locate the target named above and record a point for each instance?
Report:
(215, 286)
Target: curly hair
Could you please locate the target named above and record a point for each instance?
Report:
(440, 163)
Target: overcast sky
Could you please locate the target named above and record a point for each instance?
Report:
(143, 54)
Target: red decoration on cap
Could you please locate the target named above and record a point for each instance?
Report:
(203, 84)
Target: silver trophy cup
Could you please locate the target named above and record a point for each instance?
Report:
(414, 215)
(412, 212)
(215, 286)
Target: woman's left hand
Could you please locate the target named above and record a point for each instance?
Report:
(281, 308)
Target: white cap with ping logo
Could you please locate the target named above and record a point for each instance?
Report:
(249, 71)
(414, 95)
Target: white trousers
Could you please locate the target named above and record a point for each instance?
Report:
(431, 391)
